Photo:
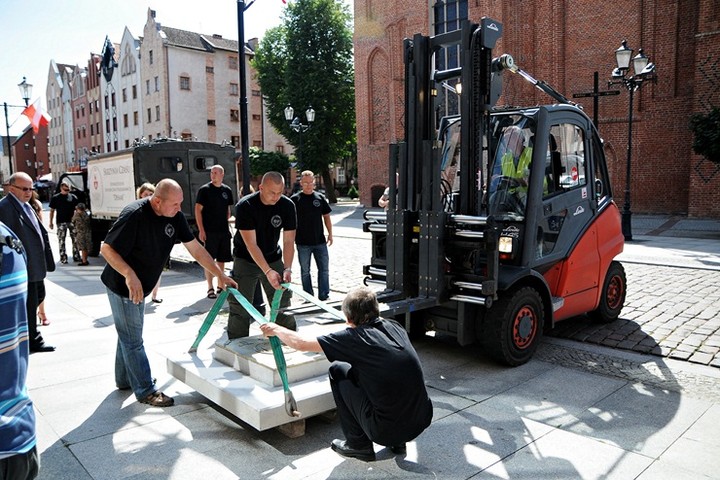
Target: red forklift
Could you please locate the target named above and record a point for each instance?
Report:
(501, 219)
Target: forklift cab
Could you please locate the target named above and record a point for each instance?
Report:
(542, 176)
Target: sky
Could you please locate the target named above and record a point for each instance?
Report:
(34, 32)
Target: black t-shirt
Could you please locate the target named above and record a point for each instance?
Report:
(144, 240)
(267, 221)
(215, 202)
(64, 206)
(388, 369)
(310, 211)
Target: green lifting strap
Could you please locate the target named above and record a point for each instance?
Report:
(290, 404)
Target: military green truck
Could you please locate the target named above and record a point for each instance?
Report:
(110, 181)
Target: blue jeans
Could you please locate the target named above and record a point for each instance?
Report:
(322, 260)
(132, 367)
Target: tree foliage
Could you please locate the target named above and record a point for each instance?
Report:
(706, 130)
(262, 162)
(308, 61)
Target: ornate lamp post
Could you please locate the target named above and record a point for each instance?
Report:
(297, 126)
(25, 93)
(643, 72)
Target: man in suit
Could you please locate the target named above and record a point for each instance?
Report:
(18, 215)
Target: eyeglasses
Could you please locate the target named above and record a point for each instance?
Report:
(24, 189)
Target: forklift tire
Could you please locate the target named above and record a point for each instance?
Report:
(612, 297)
(514, 326)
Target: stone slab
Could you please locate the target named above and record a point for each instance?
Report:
(256, 403)
(253, 356)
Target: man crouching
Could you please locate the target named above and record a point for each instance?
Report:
(375, 376)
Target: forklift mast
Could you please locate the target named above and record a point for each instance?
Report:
(415, 221)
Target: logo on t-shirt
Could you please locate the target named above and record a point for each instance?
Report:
(169, 230)
(225, 195)
(316, 203)
(276, 221)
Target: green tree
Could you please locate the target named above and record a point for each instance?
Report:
(308, 61)
(262, 162)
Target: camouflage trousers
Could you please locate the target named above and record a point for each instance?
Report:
(62, 229)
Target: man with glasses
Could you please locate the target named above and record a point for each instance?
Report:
(17, 214)
(64, 204)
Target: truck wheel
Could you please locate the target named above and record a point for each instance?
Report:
(612, 297)
(513, 326)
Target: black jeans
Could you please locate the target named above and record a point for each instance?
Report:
(23, 466)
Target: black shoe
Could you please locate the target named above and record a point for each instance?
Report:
(365, 454)
(63, 261)
(41, 348)
(399, 449)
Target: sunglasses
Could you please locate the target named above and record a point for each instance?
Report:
(24, 189)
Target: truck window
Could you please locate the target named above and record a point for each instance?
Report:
(508, 187)
(571, 147)
(205, 163)
(170, 164)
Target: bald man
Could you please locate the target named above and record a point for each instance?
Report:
(136, 249)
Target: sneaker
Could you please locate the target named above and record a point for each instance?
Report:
(158, 399)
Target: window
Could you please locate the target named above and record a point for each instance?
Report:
(184, 83)
(134, 91)
(257, 117)
(127, 143)
(256, 93)
(125, 120)
(150, 56)
(232, 62)
(112, 100)
(235, 139)
(90, 107)
(280, 148)
(234, 115)
(211, 123)
(209, 70)
(147, 87)
(114, 125)
(157, 84)
(92, 129)
(234, 89)
(149, 115)
(82, 110)
(257, 143)
(447, 17)
(341, 175)
(124, 96)
(135, 118)
(157, 113)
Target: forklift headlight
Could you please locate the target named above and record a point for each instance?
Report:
(505, 245)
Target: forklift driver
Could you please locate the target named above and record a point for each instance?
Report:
(511, 172)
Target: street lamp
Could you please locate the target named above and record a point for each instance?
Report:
(298, 127)
(25, 93)
(25, 90)
(643, 72)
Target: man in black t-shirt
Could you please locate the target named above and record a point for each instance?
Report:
(259, 218)
(375, 376)
(312, 211)
(212, 210)
(136, 249)
(64, 204)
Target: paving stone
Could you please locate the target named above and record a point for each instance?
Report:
(698, 357)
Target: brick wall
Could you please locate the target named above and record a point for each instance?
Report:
(563, 43)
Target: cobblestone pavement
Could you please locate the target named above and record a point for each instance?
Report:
(670, 311)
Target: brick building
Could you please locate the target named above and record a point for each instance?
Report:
(564, 43)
